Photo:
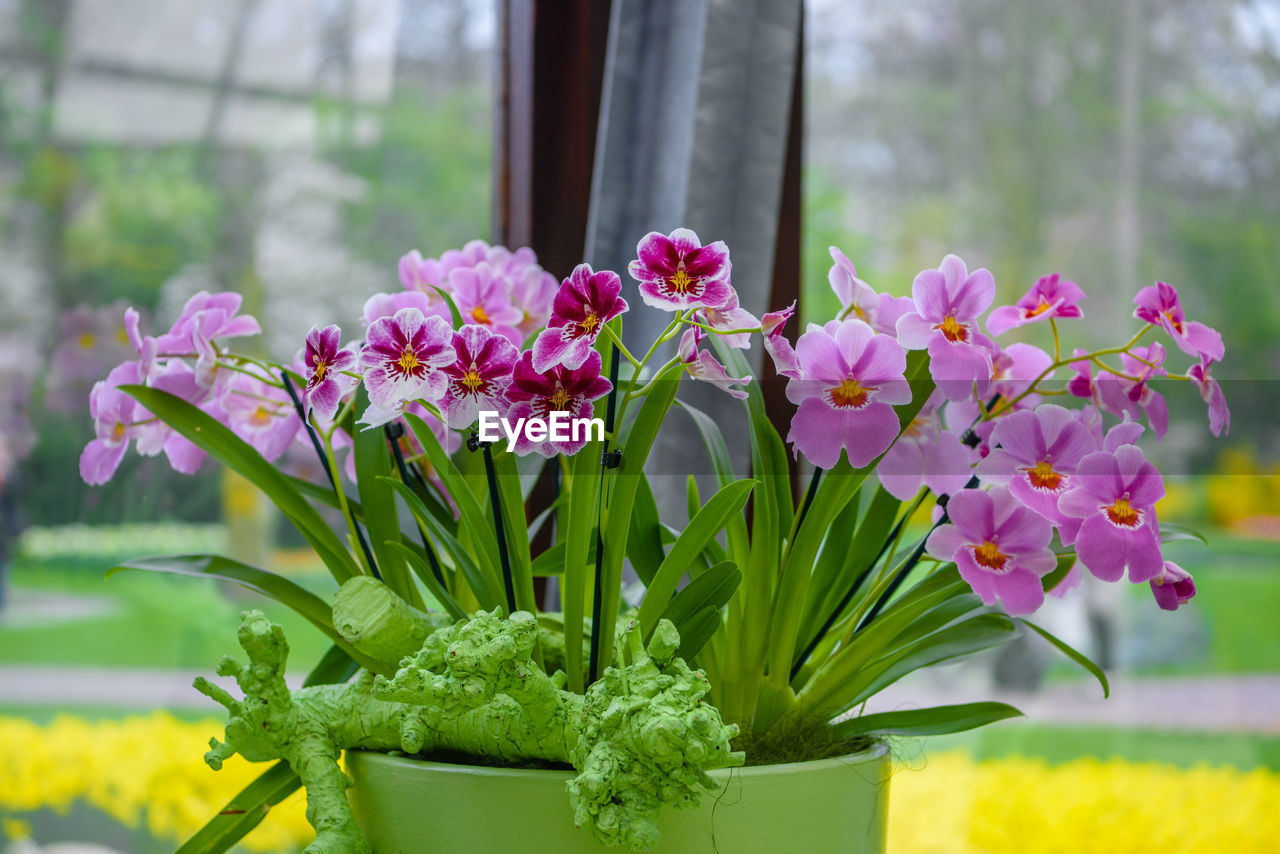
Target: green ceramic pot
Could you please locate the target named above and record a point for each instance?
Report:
(831, 806)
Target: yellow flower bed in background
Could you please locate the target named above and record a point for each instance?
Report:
(147, 771)
(954, 805)
(143, 771)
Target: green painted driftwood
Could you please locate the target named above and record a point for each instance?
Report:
(641, 737)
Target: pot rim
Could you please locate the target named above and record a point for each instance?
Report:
(871, 754)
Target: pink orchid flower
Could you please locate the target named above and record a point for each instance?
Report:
(1211, 394)
(114, 413)
(385, 305)
(262, 414)
(146, 346)
(325, 364)
(1038, 451)
(676, 272)
(1130, 396)
(926, 454)
(205, 319)
(728, 317)
(702, 365)
(561, 389)
(850, 379)
(1000, 548)
(1114, 494)
(402, 359)
(120, 420)
(1051, 296)
(586, 301)
(948, 301)
(860, 300)
(480, 375)
(533, 291)
(1158, 304)
(483, 297)
(1173, 587)
(776, 345)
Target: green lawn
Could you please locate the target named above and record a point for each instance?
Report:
(1060, 743)
(1237, 598)
(158, 621)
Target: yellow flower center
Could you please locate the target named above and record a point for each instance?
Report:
(1122, 513)
(560, 399)
(87, 340)
(953, 329)
(849, 393)
(261, 416)
(122, 335)
(117, 432)
(917, 426)
(681, 282)
(479, 315)
(1042, 476)
(472, 380)
(408, 361)
(988, 555)
(321, 369)
(1176, 324)
(1040, 309)
(589, 323)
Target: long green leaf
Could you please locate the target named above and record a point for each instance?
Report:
(697, 630)
(704, 526)
(273, 586)
(373, 464)
(1054, 578)
(580, 536)
(244, 812)
(233, 452)
(454, 314)
(722, 465)
(1075, 655)
(712, 589)
(838, 487)
(418, 562)
(512, 503)
(936, 720)
(636, 443)
(471, 518)
(964, 638)
(1171, 532)
(644, 544)
(487, 593)
(335, 666)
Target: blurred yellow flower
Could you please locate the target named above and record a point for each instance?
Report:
(145, 770)
(956, 805)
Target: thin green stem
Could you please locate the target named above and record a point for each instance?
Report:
(622, 348)
(354, 534)
(1059, 363)
(723, 331)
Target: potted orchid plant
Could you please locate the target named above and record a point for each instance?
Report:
(768, 618)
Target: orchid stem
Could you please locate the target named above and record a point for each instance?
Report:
(621, 348)
(499, 527)
(357, 534)
(393, 436)
(597, 592)
(325, 452)
(834, 617)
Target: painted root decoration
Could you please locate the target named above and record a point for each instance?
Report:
(641, 737)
